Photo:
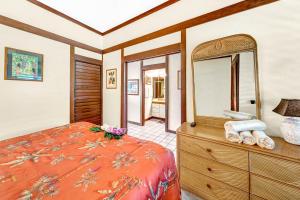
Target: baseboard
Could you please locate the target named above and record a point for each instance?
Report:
(135, 123)
(152, 117)
(170, 131)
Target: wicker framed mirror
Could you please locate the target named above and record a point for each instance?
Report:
(225, 78)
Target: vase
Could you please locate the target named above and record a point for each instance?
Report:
(290, 129)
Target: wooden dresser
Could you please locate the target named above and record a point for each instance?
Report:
(213, 168)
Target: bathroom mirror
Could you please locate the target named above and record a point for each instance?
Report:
(158, 87)
(225, 77)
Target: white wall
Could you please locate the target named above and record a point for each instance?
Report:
(26, 12)
(27, 106)
(112, 97)
(87, 53)
(153, 44)
(276, 30)
(174, 93)
(134, 101)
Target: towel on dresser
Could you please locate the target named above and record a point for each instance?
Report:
(263, 140)
(233, 136)
(238, 115)
(248, 138)
(246, 125)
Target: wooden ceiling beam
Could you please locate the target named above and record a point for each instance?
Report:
(211, 16)
(37, 31)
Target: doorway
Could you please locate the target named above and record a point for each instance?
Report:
(148, 85)
(155, 93)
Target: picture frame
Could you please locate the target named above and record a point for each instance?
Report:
(23, 65)
(179, 79)
(111, 78)
(147, 80)
(133, 87)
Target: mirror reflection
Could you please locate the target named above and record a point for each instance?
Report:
(158, 87)
(225, 83)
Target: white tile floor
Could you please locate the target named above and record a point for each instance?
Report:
(154, 130)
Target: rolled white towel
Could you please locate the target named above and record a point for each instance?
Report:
(263, 140)
(239, 115)
(248, 138)
(246, 125)
(233, 136)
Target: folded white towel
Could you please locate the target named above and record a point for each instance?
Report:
(233, 136)
(263, 140)
(246, 125)
(239, 115)
(248, 138)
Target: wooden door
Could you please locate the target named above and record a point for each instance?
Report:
(88, 92)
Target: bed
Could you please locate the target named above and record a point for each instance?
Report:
(71, 162)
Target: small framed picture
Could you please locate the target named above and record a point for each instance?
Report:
(179, 80)
(111, 79)
(133, 87)
(23, 65)
(148, 80)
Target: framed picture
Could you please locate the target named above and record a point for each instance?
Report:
(111, 79)
(179, 80)
(148, 80)
(133, 87)
(23, 65)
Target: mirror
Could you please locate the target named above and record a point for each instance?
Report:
(225, 76)
(158, 87)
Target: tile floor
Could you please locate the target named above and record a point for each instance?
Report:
(154, 130)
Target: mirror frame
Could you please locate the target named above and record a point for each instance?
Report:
(219, 48)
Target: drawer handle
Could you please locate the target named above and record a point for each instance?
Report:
(209, 150)
(209, 169)
(209, 186)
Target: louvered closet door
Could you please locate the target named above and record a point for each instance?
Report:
(88, 92)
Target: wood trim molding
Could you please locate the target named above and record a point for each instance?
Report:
(142, 97)
(37, 31)
(72, 84)
(211, 16)
(88, 59)
(50, 9)
(183, 75)
(123, 122)
(162, 51)
(154, 66)
(135, 123)
(145, 14)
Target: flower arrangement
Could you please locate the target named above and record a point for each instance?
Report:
(110, 132)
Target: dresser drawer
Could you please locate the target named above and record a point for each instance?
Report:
(208, 188)
(224, 173)
(224, 154)
(253, 197)
(272, 190)
(275, 168)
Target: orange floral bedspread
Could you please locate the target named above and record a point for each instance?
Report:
(71, 162)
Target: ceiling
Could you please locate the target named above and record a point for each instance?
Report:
(102, 15)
